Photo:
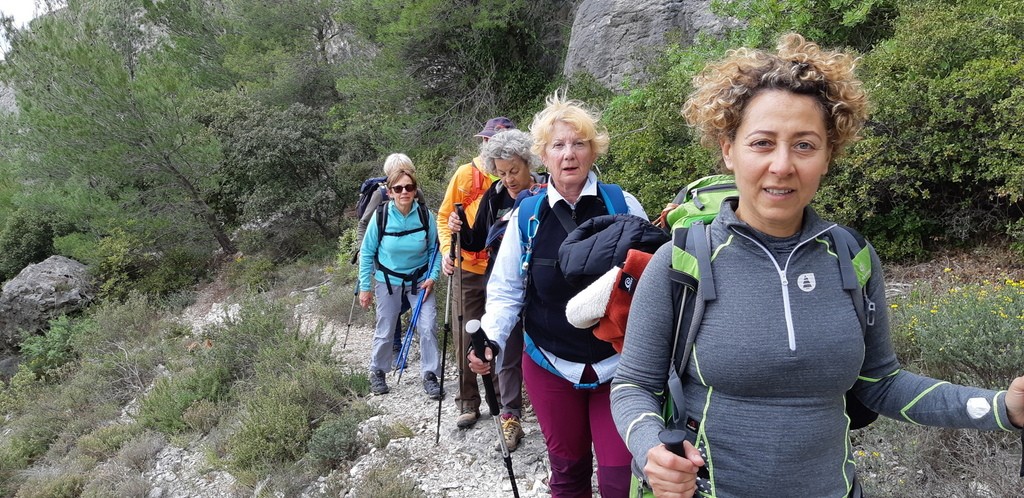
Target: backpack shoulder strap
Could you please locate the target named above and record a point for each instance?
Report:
(692, 287)
(382, 219)
(613, 198)
(529, 204)
(855, 268)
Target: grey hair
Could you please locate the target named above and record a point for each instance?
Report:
(396, 162)
(509, 144)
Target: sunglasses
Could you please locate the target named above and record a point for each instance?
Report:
(408, 188)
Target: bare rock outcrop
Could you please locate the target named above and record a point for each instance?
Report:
(611, 39)
(40, 293)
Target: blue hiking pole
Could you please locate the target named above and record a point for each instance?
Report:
(407, 342)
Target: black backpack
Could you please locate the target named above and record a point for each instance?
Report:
(366, 191)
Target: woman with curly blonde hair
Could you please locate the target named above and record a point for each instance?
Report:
(763, 404)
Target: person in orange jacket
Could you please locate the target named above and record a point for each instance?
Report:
(467, 187)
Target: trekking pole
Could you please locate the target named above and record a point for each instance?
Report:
(673, 440)
(355, 296)
(444, 336)
(473, 328)
(457, 260)
(407, 342)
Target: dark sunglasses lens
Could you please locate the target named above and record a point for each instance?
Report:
(398, 188)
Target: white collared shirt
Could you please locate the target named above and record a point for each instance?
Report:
(506, 287)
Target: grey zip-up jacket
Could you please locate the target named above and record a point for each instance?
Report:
(775, 354)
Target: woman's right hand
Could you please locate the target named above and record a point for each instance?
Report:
(454, 223)
(365, 299)
(670, 475)
(447, 265)
(479, 366)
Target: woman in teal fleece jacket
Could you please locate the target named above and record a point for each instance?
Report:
(763, 391)
(402, 257)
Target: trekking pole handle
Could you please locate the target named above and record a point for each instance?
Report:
(461, 212)
(479, 344)
(673, 440)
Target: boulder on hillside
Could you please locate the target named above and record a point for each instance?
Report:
(611, 39)
(39, 293)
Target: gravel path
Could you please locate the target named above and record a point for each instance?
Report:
(462, 463)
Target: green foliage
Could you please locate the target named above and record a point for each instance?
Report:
(277, 162)
(929, 332)
(272, 432)
(122, 265)
(106, 441)
(59, 484)
(27, 238)
(253, 273)
(336, 440)
(940, 163)
(202, 416)
(53, 349)
(22, 387)
(855, 23)
(104, 139)
(163, 408)
(280, 50)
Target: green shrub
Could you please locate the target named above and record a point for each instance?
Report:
(26, 238)
(388, 480)
(202, 415)
(164, 407)
(105, 442)
(336, 440)
(386, 433)
(29, 437)
(121, 261)
(138, 453)
(260, 325)
(21, 388)
(254, 273)
(176, 269)
(55, 484)
(273, 432)
(54, 348)
(940, 162)
(968, 334)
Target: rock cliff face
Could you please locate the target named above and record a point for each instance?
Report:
(611, 39)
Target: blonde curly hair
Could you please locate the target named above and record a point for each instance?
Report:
(572, 112)
(723, 90)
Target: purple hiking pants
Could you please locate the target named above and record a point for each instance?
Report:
(573, 421)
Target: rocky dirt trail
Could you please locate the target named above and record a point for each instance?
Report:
(462, 463)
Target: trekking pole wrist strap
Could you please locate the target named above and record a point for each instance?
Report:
(495, 349)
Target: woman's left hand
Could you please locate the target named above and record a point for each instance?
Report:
(427, 286)
(1015, 402)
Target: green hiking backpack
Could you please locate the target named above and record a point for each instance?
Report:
(691, 276)
(699, 200)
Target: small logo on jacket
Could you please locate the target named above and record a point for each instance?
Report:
(806, 282)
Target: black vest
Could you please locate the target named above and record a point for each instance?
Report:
(547, 291)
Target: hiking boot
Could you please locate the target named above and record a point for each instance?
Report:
(468, 418)
(377, 383)
(431, 387)
(512, 430)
